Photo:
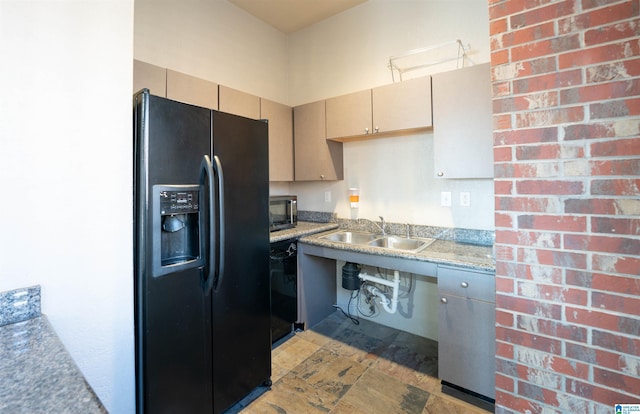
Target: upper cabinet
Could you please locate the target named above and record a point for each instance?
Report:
(236, 102)
(146, 75)
(462, 123)
(280, 118)
(189, 89)
(386, 109)
(316, 158)
(349, 115)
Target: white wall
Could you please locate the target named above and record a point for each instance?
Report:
(213, 40)
(65, 175)
(350, 52)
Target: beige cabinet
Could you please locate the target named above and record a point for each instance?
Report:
(462, 123)
(237, 102)
(152, 77)
(280, 118)
(316, 158)
(402, 106)
(189, 89)
(382, 110)
(349, 115)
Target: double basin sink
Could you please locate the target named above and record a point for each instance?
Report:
(379, 240)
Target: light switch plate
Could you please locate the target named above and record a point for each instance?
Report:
(327, 196)
(445, 198)
(465, 199)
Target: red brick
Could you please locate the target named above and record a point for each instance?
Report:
(550, 116)
(543, 14)
(600, 54)
(528, 306)
(550, 187)
(614, 70)
(598, 18)
(552, 293)
(505, 383)
(504, 350)
(503, 220)
(590, 206)
(616, 148)
(612, 225)
(521, 338)
(547, 81)
(619, 187)
(603, 320)
(504, 318)
(517, 403)
(615, 109)
(546, 47)
(552, 222)
(497, 26)
(538, 152)
(604, 396)
(617, 303)
(529, 34)
(616, 380)
(612, 33)
(613, 341)
(504, 284)
(588, 131)
(569, 368)
(608, 283)
(529, 204)
(618, 245)
(617, 264)
(557, 258)
(600, 91)
(502, 187)
(527, 170)
(527, 136)
(499, 57)
(628, 167)
(505, 8)
(552, 328)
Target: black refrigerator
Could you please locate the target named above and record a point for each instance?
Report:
(201, 251)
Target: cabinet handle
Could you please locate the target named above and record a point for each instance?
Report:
(440, 174)
(443, 300)
(322, 176)
(366, 130)
(464, 284)
(376, 130)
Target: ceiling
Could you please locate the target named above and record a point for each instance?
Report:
(289, 16)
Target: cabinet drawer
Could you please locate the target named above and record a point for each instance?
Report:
(467, 283)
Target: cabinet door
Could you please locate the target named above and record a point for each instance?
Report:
(462, 123)
(467, 344)
(152, 77)
(189, 89)
(280, 119)
(349, 115)
(240, 103)
(402, 106)
(316, 158)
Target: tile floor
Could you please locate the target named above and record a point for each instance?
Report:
(338, 367)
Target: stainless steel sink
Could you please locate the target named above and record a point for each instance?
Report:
(378, 240)
(351, 237)
(400, 243)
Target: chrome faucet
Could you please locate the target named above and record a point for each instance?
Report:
(379, 226)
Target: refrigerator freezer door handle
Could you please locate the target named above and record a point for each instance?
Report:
(217, 167)
(207, 170)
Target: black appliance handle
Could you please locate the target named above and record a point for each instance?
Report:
(215, 268)
(217, 168)
(210, 261)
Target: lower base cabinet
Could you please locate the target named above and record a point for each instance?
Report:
(466, 329)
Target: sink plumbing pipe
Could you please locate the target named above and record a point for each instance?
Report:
(389, 305)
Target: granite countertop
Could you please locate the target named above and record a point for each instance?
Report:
(304, 228)
(445, 252)
(37, 375)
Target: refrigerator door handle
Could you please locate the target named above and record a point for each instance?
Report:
(214, 267)
(217, 167)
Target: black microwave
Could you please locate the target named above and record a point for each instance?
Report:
(283, 212)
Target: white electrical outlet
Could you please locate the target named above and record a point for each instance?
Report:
(465, 199)
(327, 196)
(445, 198)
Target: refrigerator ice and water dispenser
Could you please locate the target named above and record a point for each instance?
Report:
(176, 228)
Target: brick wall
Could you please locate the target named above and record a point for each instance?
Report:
(566, 84)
